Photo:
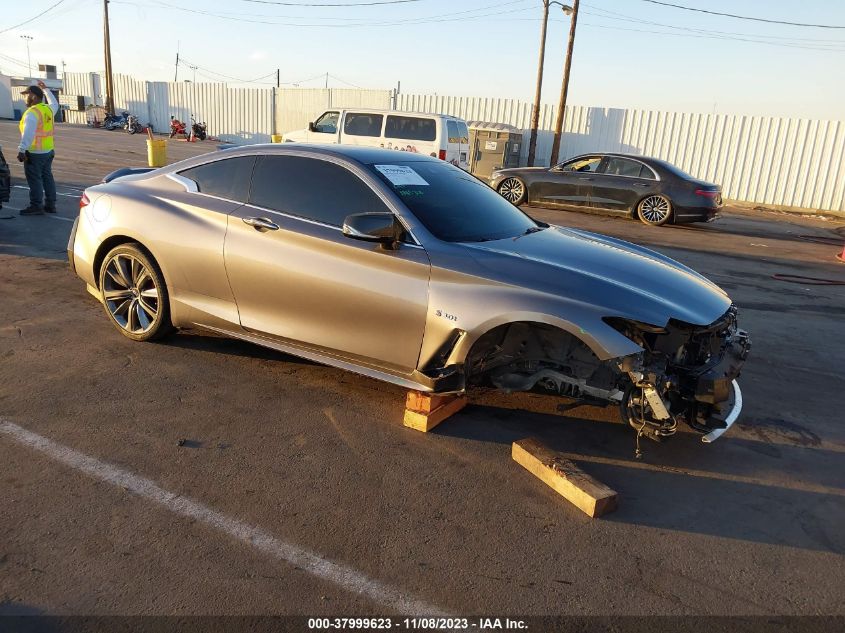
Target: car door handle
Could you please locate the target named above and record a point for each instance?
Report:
(584, 178)
(261, 223)
(641, 184)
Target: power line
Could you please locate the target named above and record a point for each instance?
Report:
(189, 64)
(717, 37)
(622, 17)
(47, 10)
(332, 4)
(626, 17)
(445, 17)
(741, 17)
(345, 82)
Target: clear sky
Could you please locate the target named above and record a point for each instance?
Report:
(628, 53)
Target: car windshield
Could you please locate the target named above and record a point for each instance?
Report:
(452, 204)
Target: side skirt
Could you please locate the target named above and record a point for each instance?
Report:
(333, 361)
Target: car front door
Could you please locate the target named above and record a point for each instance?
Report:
(568, 184)
(297, 278)
(620, 183)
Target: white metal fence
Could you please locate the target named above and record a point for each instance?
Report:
(764, 160)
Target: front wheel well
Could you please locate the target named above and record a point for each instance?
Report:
(527, 342)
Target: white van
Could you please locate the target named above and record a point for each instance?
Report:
(438, 135)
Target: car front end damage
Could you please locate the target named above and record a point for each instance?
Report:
(684, 374)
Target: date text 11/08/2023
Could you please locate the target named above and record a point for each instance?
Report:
(417, 624)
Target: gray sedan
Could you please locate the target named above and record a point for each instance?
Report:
(406, 269)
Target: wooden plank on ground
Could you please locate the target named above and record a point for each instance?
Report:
(424, 411)
(564, 476)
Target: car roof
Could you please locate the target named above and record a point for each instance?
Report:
(395, 112)
(360, 154)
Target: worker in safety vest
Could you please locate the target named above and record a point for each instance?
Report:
(36, 149)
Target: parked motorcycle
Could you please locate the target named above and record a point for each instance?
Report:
(133, 125)
(115, 121)
(177, 127)
(198, 130)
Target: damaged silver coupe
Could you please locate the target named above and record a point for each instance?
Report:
(404, 268)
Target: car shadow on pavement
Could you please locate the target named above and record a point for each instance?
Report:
(218, 344)
(735, 488)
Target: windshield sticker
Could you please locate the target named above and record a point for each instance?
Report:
(400, 175)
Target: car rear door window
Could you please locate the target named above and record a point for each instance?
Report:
(410, 128)
(312, 189)
(647, 172)
(623, 167)
(362, 124)
(228, 178)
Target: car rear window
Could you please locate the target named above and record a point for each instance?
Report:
(463, 131)
(228, 178)
(454, 133)
(410, 128)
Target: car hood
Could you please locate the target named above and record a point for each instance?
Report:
(620, 278)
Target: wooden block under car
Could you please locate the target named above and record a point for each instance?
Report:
(564, 476)
(424, 411)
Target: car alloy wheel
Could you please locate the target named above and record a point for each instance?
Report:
(134, 294)
(655, 210)
(512, 190)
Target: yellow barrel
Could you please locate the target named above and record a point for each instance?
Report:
(156, 152)
(275, 138)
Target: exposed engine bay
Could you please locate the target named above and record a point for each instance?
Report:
(685, 373)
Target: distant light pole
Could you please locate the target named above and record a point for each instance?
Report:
(573, 11)
(535, 110)
(194, 68)
(28, 39)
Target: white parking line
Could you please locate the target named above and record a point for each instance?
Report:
(344, 577)
(58, 193)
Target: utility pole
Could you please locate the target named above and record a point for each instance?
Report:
(327, 81)
(535, 111)
(278, 78)
(28, 39)
(176, 74)
(565, 87)
(107, 46)
(63, 70)
(194, 68)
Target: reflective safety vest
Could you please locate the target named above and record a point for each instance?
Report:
(44, 132)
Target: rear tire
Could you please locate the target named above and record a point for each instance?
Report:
(134, 294)
(654, 210)
(512, 190)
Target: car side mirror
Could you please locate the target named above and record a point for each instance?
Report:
(372, 227)
(312, 127)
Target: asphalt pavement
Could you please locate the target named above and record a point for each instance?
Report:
(202, 475)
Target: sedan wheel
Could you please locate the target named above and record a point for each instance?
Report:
(655, 210)
(133, 293)
(512, 190)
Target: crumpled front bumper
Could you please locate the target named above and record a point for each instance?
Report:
(731, 415)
